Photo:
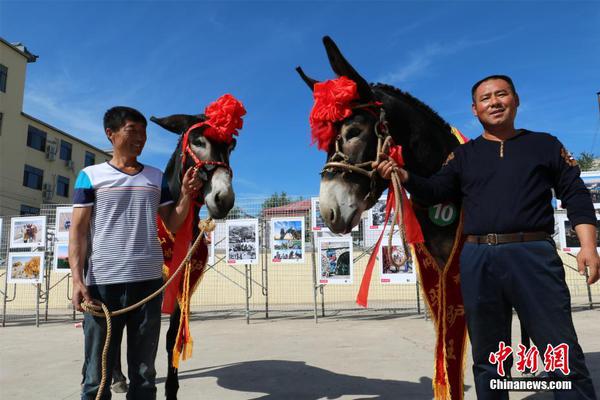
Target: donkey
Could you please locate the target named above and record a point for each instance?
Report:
(426, 141)
(217, 195)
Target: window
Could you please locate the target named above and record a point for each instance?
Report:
(3, 77)
(27, 210)
(65, 150)
(36, 138)
(62, 186)
(90, 159)
(33, 177)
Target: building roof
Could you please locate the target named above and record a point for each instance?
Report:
(21, 49)
(108, 153)
(298, 207)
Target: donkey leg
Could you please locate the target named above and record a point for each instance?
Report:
(172, 383)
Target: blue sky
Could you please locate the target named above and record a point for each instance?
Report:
(176, 57)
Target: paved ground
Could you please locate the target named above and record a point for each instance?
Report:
(342, 357)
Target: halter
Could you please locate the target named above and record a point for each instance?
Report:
(186, 150)
(339, 161)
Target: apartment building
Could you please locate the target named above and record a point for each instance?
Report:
(38, 162)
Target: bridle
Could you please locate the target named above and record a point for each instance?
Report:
(186, 150)
(340, 161)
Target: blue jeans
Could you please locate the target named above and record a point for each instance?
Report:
(143, 332)
(530, 278)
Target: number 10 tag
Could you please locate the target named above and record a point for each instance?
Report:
(442, 214)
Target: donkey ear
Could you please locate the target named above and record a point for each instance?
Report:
(177, 123)
(342, 67)
(310, 82)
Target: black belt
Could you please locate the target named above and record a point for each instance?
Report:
(493, 239)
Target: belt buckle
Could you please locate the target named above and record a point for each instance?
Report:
(492, 239)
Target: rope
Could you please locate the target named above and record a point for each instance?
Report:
(207, 225)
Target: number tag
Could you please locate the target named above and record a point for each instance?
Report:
(442, 214)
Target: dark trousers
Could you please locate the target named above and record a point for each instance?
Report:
(530, 278)
(143, 331)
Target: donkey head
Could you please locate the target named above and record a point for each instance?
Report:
(344, 195)
(217, 190)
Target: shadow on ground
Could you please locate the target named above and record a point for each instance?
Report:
(284, 380)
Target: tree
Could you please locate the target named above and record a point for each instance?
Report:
(276, 200)
(586, 161)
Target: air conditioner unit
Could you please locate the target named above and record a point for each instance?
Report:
(51, 151)
(47, 191)
(70, 164)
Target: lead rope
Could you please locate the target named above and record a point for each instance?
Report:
(207, 225)
(384, 142)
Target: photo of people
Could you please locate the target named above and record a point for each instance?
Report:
(335, 260)
(391, 273)
(569, 241)
(242, 241)
(26, 267)
(287, 240)
(377, 214)
(61, 257)
(63, 222)
(28, 232)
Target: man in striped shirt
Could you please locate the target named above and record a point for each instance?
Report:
(114, 253)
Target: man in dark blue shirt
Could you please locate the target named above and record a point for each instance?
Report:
(504, 179)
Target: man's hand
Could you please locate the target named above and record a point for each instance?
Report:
(386, 166)
(588, 256)
(80, 293)
(191, 184)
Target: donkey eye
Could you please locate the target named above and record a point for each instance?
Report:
(352, 133)
(199, 141)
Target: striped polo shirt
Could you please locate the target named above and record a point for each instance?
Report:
(124, 245)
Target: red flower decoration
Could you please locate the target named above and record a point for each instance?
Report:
(332, 104)
(224, 118)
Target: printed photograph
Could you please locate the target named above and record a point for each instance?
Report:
(61, 257)
(287, 240)
(377, 214)
(28, 232)
(591, 179)
(389, 271)
(316, 220)
(242, 241)
(210, 243)
(26, 267)
(63, 222)
(335, 255)
(571, 239)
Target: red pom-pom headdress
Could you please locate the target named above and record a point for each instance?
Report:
(333, 100)
(223, 119)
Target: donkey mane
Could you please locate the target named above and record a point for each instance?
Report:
(418, 104)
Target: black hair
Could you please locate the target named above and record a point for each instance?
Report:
(116, 117)
(505, 78)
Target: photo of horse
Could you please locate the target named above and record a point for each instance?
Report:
(287, 240)
(242, 241)
(335, 264)
(28, 232)
(26, 267)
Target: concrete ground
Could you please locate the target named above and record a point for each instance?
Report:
(345, 356)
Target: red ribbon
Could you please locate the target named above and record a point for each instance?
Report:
(414, 234)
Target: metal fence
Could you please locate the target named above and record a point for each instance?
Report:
(265, 289)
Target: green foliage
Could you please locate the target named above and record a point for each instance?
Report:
(586, 161)
(276, 200)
